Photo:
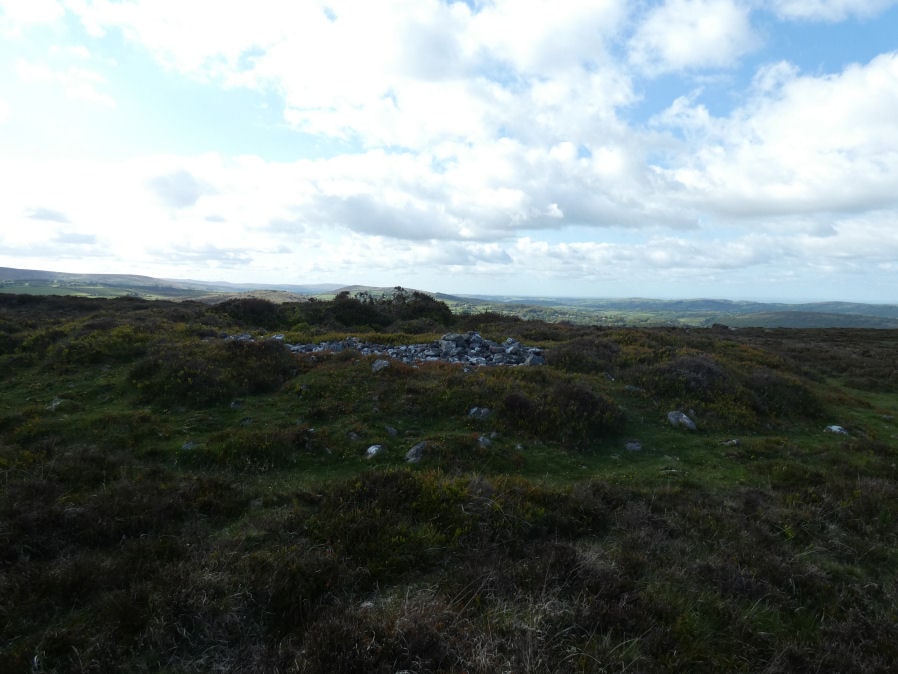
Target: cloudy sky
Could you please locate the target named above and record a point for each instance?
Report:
(607, 148)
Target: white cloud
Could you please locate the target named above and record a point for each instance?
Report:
(690, 34)
(803, 144)
(5, 111)
(16, 15)
(491, 140)
(409, 73)
(828, 10)
(79, 84)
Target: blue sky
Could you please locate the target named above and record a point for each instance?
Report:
(687, 148)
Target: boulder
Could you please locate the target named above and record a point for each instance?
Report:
(679, 420)
(373, 451)
(416, 453)
(380, 364)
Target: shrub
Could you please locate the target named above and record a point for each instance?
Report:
(198, 374)
(781, 395)
(570, 412)
(586, 355)
(252, 312)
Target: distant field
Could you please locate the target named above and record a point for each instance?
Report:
(577, 311)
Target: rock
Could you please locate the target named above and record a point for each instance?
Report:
(838, 430)
(480, 413)
(392, 432)
(535, 358)
(466, 349)
(484, 441)
(416, 453)
(379, 364)
(352, 435)
(633, 446)
(731, 443)
(54, 404)
(679, 420)
(373, 451)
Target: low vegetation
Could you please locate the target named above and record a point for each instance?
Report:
(175, 498)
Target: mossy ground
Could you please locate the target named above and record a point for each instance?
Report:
(174, 502)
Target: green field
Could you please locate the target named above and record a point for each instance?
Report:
(177, 501)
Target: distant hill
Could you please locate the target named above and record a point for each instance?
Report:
(583, 311)
(42, 282)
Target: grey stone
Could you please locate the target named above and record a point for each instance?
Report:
(480, 412)
(469, 349)
(679, 420)
(834, 428)
(373, 451)
(416, 453)
(54, 404)
(633, 446)
(379, 364)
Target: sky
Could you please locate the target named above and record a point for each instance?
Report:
(734, 149)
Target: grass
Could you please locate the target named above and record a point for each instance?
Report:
(174, 502)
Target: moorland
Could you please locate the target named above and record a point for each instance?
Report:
(181, 492)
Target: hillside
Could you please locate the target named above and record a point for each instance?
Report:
(338, 486)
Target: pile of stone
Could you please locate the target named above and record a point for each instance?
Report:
(466, 349)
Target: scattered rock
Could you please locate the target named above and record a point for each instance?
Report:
(416, 453)
(469, 349)
(373, 451)
(834, 428)
(480, 413)
(679, 420)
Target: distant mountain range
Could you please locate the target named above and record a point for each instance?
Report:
(625, 311)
